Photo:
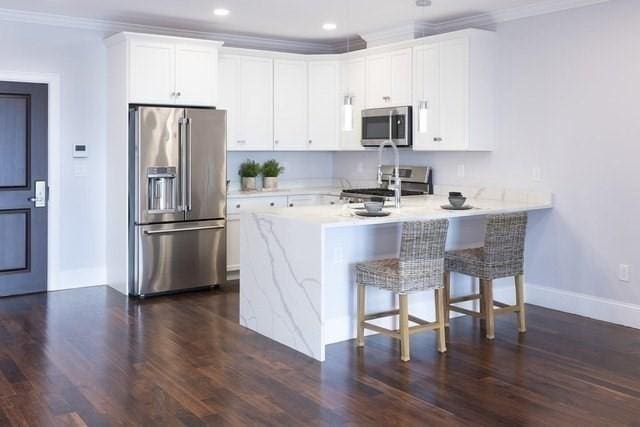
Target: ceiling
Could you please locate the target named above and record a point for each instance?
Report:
(289, 19)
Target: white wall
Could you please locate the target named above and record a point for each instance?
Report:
(79, 58)
(568, 89)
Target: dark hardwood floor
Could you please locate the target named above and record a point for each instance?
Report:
(91, 356)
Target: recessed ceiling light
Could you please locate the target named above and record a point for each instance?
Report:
(329, 26)
(221, 12)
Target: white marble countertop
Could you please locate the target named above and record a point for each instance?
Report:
(328, 191)
(414, 208)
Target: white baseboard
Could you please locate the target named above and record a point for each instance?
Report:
(78, 278)
(585, 305)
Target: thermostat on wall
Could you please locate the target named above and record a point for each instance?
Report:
(80, 150)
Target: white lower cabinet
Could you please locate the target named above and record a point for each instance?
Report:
(236, 205)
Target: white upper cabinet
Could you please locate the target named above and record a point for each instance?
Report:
(388, 79)
(246, 92)
(455, 78)
(171, 70)
(324, 105)
(151, 72)
(290, 105)
(353, 83)
(196, 74)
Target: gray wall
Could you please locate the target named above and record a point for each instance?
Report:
(568, 89)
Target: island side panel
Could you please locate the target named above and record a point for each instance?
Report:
(280, 281)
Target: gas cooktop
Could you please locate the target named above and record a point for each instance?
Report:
(366, 193)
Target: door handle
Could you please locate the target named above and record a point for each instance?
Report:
(188, 122)
(180, 230)
(183, 164)
(39, 199)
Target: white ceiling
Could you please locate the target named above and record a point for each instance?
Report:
(293, 19)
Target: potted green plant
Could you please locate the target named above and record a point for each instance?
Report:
(248, 172)
(270, 171)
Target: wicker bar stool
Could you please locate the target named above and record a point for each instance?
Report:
(420, 267)
(501, 256)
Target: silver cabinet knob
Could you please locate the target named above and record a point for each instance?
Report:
(237, 206)
(290, 205)
(272, 204)
(178, 93)
(437, 139)
(310, 142)
(276, 141)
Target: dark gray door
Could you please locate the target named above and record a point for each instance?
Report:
(23, 175)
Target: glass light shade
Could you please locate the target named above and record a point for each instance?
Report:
(347, 113)
(423, 117)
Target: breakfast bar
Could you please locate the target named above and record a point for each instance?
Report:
(296, 274)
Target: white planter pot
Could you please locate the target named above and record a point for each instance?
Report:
(248, 184)
(269, 183)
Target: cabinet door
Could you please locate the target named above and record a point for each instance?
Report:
(426, 85)
(196, 75)
(151, 72)
(353, 81)
(233, 243)
(400, 80)
(323, 105)
(228, 83)
(256, 104)
(378, 88)
(454, 93)
(290, 105)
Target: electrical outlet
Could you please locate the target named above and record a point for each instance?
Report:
(460, 171)
(624, 273)
(537, 174)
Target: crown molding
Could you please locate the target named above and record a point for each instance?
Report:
(109, 27)
(490, 19)
(483, 20)
(404, 32)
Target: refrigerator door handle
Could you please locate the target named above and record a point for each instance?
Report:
(188, 133)
(179, 230)
(183, 164)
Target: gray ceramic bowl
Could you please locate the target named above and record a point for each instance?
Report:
(457, 201)
(373, 207)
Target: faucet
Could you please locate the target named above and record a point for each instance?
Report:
(397, 186)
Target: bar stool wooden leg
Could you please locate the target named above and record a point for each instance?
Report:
(440, 319)
(446, 279)
(487, 289)
(483, 315)
(404, 327)
(361, 310)
(522, 326)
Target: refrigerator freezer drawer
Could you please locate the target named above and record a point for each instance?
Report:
(179, 256)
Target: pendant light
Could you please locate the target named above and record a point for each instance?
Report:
(423, 105)
(347, 106)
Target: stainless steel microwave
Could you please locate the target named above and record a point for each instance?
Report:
(383, 124)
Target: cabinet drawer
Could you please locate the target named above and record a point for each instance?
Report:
(255, 203)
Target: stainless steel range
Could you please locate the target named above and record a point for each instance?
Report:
(416, 181)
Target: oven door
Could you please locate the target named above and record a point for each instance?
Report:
(381, 124)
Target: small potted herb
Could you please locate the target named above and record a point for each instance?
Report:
(248, 172)
(270, 171)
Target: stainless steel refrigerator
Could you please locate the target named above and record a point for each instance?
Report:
(177, 199)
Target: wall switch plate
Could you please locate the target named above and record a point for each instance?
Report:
(537, 174)
(460, 171)
(624, 273)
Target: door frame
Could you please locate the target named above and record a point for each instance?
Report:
(52, 80)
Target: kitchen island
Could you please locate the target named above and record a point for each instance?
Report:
(297, 264)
